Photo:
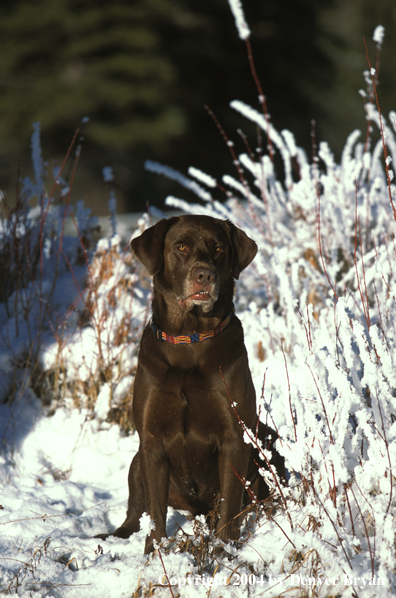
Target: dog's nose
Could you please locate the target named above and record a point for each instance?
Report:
(204, 276)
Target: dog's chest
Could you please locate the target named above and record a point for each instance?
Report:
(198, 410)
(195, 429)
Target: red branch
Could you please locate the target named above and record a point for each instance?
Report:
(261, 96)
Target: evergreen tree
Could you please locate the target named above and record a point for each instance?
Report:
(64, 59)
(142, 72)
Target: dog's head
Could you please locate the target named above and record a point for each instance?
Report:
(194, 257)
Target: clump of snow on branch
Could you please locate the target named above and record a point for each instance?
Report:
(180, 178)
(240, 22)
(378, 35)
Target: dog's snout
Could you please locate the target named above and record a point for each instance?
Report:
(204, 276)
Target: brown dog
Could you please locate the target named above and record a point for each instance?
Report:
(191, 442)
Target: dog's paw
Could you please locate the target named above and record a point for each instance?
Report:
(120, 532)
(101, 536)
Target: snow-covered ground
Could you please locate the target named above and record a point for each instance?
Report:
(63, 480)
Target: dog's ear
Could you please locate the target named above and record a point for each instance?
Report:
(243, 249)
(149, 247)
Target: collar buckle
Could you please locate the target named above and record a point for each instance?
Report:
(156, 329)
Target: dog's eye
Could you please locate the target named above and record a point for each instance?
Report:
(217, 249)
(181, 247)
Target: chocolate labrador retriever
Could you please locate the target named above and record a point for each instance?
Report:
(192, 361)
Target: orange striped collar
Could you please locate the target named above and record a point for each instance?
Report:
(189, 338)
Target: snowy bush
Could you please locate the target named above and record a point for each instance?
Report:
(71, 314)
(319, 317)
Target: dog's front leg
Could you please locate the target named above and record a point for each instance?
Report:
(136, 501)
(233, 466)
(155, 470)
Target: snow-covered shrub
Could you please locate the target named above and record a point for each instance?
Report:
(70, 314)
(36, 258)
(318, 307)
(97, 358)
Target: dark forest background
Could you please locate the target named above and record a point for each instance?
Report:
(143, 70)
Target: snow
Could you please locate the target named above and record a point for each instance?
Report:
(54, 499)
(174, 175)
(108, 174)
(202, 176)
(378, 35)
(241, 25)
